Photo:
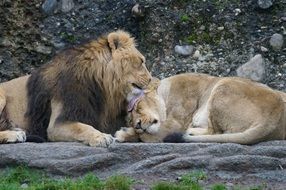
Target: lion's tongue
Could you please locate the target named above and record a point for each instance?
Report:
(134, 100)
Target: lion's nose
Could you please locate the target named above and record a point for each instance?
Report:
(138, 125)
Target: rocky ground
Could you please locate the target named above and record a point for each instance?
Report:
(222, 34)
(219, 37)
(262, 164)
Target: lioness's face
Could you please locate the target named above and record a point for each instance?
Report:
(145, 117)
(134, 71)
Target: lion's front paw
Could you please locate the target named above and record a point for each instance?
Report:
(16, 136)
(102, 140)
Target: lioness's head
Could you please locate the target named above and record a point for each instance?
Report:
(127, 61)
(145, 110)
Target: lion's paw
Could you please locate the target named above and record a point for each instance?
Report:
(103, 140)
(16, 136)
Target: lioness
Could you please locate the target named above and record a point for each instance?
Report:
(75, 97)
(207, 109)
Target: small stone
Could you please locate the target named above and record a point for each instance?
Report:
(202, 28)
(67, 5)
(138, 12)
(264, 4)
(220, 28)
(49, 6)
(184, 50)
(263, 49)
(237, 11)
(276, 41)
(197, 54)
(43, 49)
(24, 186)
(254, 69)
(283, 18)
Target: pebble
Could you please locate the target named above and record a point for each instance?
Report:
(49, 6)
(43, 49)
(254, 69)
(276, 41)
(220, 28)
(237, 11)
(184, 50)
(67, 5)
(197, 54)
(24, 186)
(263, 49)
(138, 11)
(264, 4)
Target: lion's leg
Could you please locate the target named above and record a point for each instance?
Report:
(75, 131)
(12, 136)
(79, 132)
(126, 134)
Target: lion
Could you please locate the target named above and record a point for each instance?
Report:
(77, 96)
(202, 108)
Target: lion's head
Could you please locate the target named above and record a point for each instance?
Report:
(127, 61)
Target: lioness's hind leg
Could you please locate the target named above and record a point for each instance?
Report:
(9, 136)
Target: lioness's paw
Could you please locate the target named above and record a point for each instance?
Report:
(16, 136)
(102, 140)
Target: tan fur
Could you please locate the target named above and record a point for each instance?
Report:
(211, 109)
(112, 61)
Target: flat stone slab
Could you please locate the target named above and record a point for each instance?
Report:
(232, 163)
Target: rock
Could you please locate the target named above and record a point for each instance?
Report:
(197, 54)
(264, 4)
(254, 69)
(263, 49)
(138, 11)
(276, 41)
(237, 11)
(67, 5)
(220, 28)
(184, 50)
(143, 161)
(49, 6)
(43, 49)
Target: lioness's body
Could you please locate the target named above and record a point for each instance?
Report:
(77, 96)
(211, 109)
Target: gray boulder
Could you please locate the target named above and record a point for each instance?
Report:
(254, 69)
(264, 162)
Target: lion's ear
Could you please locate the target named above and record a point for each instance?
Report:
(113, 41)
(153, 85)
(119, 39)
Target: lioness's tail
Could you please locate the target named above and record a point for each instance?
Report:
(249, 136)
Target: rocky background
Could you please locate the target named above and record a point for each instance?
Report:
(176, 36)
(219, 37)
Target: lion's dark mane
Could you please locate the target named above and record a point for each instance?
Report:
(83, 100)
